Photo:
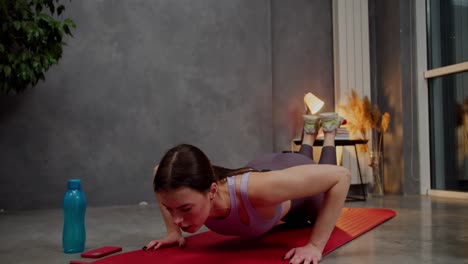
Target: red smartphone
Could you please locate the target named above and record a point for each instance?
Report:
(100, 252)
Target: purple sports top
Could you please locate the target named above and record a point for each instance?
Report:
(232, 225)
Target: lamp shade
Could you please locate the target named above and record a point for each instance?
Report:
(313, 103)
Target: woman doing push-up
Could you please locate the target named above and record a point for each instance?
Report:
(280, 188)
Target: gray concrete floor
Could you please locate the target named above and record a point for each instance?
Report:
(426, 230)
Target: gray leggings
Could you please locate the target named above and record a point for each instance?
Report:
(303, 211)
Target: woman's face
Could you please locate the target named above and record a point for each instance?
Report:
(189, 208)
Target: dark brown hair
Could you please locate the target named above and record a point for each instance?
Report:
(187, 166)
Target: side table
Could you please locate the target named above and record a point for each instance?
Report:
(347, 142)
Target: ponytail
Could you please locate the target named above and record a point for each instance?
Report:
(222, 173)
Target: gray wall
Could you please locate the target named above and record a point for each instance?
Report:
(142, 76)
(302, 62)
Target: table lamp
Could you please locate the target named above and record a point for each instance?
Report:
(313, 103)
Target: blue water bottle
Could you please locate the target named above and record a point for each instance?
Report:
(74, 210)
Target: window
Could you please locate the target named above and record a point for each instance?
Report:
(448, 93)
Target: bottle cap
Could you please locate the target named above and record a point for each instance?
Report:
(74, 184)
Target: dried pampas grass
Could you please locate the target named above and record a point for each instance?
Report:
(363, 118)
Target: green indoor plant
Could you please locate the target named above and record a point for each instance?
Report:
(31, 40)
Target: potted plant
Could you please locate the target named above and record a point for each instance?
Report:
(31, 40)
(364, 120)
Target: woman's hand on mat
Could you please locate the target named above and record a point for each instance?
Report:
(170, 240)
(308, 254)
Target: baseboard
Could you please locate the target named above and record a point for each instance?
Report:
(448, 194)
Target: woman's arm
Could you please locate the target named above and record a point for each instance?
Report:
(303, 181)
(333, 202)
(170, 226)
(174, 234)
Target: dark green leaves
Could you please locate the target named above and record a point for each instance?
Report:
(31, 40)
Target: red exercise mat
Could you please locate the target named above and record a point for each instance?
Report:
(209, 247)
